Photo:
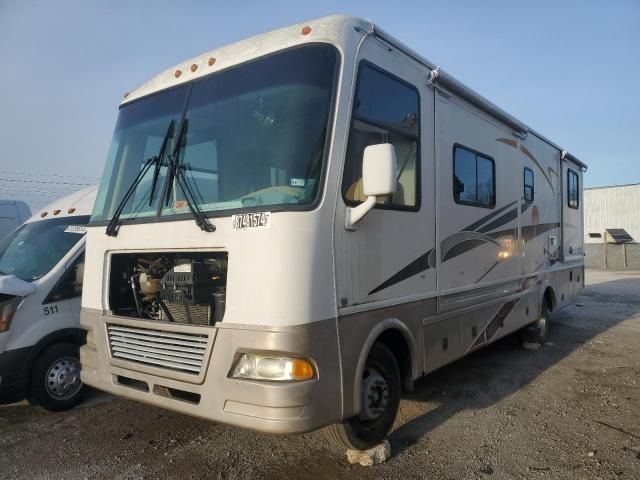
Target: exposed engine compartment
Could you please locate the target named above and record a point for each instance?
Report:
(184, 287)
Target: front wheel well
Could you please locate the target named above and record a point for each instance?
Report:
(395, 341)
(75, 336)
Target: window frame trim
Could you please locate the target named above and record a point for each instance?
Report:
(453, 177)
(418, 139)
(570, 172)
(524, 185)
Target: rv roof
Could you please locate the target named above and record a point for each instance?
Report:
(332, 29)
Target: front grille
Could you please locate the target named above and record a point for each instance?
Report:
(183, 352)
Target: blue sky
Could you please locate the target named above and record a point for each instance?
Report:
(568, 69)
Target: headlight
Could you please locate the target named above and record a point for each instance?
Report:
(7, 310)
(272, 367)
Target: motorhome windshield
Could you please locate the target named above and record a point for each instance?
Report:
(253, 136)
(32, 250)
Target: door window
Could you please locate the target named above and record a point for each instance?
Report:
(572, 189)
(70, 284)
(528, 185)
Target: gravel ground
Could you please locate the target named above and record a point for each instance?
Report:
(568, 410)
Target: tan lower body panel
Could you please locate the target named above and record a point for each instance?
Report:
(292, 407)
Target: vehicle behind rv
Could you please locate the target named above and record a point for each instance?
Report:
(292, 229)
(41, 271)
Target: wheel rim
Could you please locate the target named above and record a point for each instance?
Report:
(375, 394)
(62, 381)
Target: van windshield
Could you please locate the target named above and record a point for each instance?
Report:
(251, 136)
(32, 250)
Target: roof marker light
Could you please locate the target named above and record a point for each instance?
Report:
(56, 211)
(178, 73)
(306, 30)
(212, 60)
(44, 214)
(194, 67)
(71, 210)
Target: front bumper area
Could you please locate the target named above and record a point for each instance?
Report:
(13, 380)
(274, 407)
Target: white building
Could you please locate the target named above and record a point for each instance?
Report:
(611, 208)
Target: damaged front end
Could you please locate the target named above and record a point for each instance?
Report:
(181, 288)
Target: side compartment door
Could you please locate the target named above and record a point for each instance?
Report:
(387, 258)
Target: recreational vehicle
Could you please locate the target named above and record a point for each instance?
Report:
(41, 270)
(292, 229)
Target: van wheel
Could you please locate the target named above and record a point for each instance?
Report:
(55, 379)
(380, 398)
(538, 331)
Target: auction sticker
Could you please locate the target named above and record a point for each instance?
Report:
(80, 229)
(246, 221)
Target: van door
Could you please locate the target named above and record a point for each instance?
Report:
(388, 258)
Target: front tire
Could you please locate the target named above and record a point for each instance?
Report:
(55, 378)
(538, 331)
(380, 399)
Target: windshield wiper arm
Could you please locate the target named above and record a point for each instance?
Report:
(178, 173)
(112, 228)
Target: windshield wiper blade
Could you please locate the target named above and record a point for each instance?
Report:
(156, 170)
(178, 173)
(112, 228)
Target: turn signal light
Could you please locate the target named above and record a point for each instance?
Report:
(301, 369)
(7, 310)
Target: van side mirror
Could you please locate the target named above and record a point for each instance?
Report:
(379, 179)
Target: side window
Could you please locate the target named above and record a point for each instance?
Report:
(70, 284)
(529, 192)
(385, 110)
(474, 178)
(573, 189)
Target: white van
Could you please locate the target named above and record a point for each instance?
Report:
(12, 214)
(293, 228)
(41, 269)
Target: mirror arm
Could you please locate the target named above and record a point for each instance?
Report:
(354, 214)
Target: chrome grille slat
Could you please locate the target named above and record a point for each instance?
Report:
(174, 351)
(160, 333)
(174, 348)
(161, 363)
(168, 341)
(155, 353)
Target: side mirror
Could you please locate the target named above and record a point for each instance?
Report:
(379, 179)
